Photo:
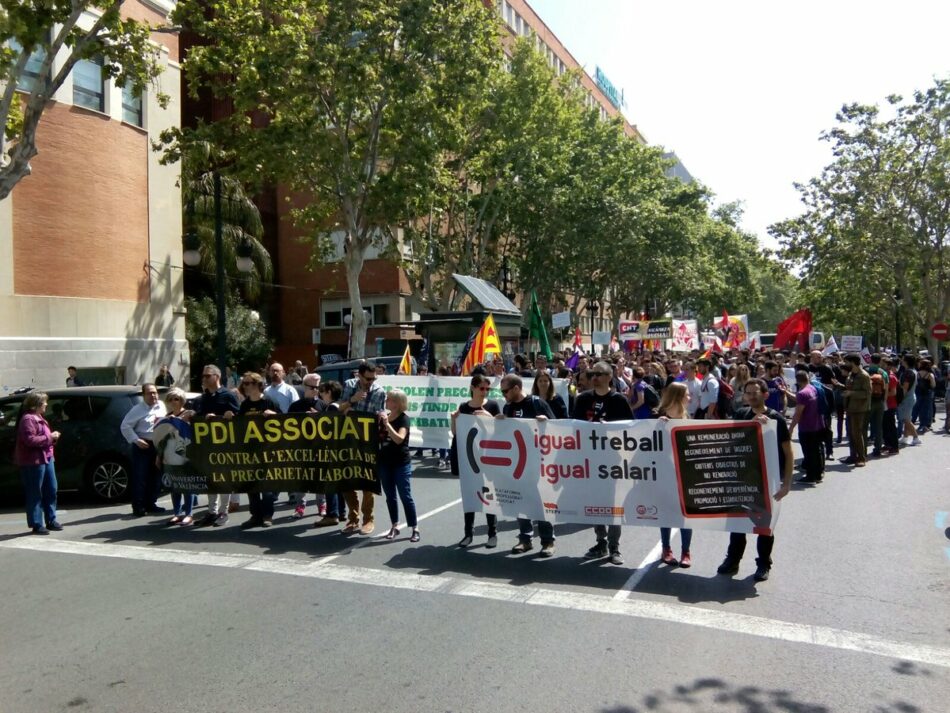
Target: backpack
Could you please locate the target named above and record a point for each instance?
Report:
(878, 388)
(724, 402)
(651, 399)
(824, 408)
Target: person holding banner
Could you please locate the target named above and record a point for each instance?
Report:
(674, 406)
(362, 394)
(395, 464)
(171, 456)
(518, 405)
(309, 403)
(756, 391)
(478, 405)
(601, 404)
(255, 402)
(215, 401)
(544, 388)
(330, 392)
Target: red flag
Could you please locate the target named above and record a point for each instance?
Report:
(486, 342)
(794, 331)
(577, 336)
(724, 324)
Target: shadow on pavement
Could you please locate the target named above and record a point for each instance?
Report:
(713, 694)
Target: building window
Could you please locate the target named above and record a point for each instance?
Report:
(132, 106)
(89, 87)
(28, 80)
(380, 314)
(510, 15)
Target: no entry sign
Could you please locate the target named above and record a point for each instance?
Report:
(940, 331)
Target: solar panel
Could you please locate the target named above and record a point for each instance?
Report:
(486, 294)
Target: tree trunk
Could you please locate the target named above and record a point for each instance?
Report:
(353, 261)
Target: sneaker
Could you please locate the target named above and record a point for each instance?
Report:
(322, 510)
(465, 541)
(668, 558)
(351, 528)
(368, 528)
(327, 521)
(54, 525)
(547, 550)
(761, 573)
(521, 547)
(220, 520)
(915, 442)
(267, 523)
(208, 519)
(40, 530)
(492, 542)
(728, 566)
(298, 512)
(686, 561)
(616, 558)
(596, 552)
(903, 440)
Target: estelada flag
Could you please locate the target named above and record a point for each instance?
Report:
(485, 342)
(405, 366)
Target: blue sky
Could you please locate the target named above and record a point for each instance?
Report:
(741, 90)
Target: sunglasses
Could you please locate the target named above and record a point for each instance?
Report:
(369, 381)
(311, 386)
(505, 391)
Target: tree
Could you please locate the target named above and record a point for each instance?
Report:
(348, 103)
(37, 31)
(248, 343)
(880, 211)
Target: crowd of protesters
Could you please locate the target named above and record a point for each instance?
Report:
(879, 406)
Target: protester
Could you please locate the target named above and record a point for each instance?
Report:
(395, 466)
(310, 402)
(674, 407)
(215, 401)
(330, 392)
(708, 390)
(811, 428)
(33, 454)
(889, 426)
(164, 378)
(518, 405)
(280, 392)
(879, 379)
(756, 391)
(260, 504)
(599, 405)
(478, 405)
(171, 454)
(857, 403)
(362, 394)
(544, 387)
(923, 412)
(738, 383)
(905, 411)
(136, 428)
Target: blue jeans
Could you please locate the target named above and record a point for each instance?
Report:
(526, 531)
(39, 485)
(686, 537)
(183, 503)
(396, 478)
(146, 480)
(336, 505)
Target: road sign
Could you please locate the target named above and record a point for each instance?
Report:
(940, 331)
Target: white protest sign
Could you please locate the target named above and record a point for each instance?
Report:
(714, 475)
(561, 320)
(851, 343)
(433, 400)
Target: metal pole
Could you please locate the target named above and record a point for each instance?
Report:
(219, 276)
(897, 326)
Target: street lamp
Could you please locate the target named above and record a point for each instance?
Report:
(897, 320)
(506, 279)
(593, 307)
(348, 321)
(192, 257)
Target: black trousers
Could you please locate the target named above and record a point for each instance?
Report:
(470, 524)
(813, 452)
(889, 429)
(763, 545)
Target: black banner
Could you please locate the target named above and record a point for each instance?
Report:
(721, 470)
(315, 453)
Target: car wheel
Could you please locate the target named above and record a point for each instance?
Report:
(108, 479)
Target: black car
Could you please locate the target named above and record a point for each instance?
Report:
(343, 370)
(91, 454)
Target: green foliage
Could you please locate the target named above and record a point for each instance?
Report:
(249, 346)
(50, 28)
(877, 221)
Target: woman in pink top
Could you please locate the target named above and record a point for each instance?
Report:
(34, 456)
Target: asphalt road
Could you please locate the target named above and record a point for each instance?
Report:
(121, 614)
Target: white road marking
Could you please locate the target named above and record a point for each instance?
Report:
(674, 613)
(648, 563)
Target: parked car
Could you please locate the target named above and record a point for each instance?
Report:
(343, 370)
(91, 454)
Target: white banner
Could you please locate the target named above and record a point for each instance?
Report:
(685, 336)
(713, 475)
(433, 400)
(851, 343)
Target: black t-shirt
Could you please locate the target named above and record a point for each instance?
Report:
(528, 407)
(590, 406)
(265, 404)
(305, 404)
(466, 409)
(217, 402)
(747, 414)
(558, 407)
(390, 452)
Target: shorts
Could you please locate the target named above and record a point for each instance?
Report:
(905, 408)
